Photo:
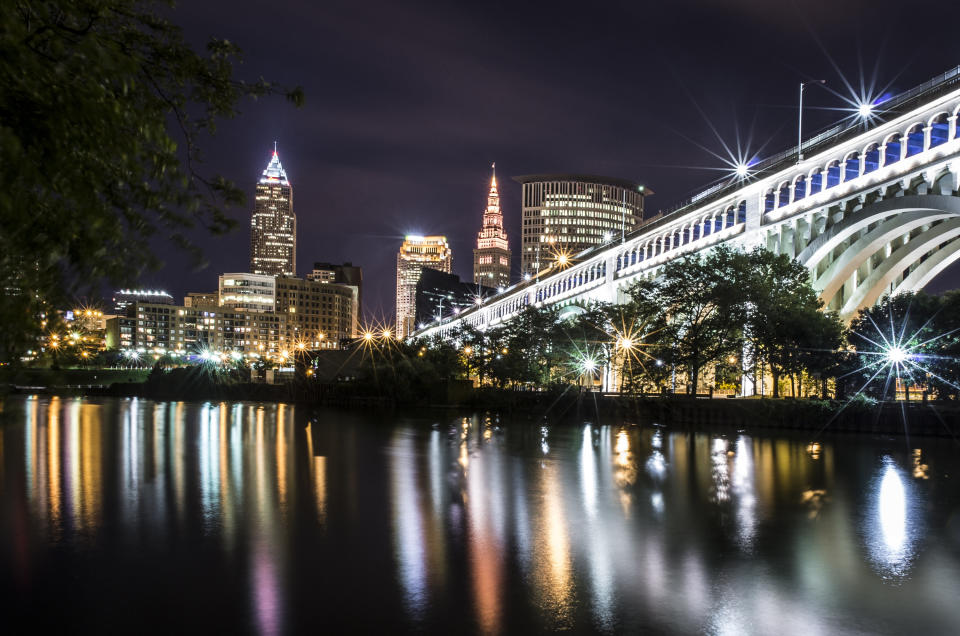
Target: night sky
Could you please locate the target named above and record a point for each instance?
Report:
(409, 103)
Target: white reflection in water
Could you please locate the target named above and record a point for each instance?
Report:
(889, 536)
(720, 472)
(588, 472)
(656, 464)
(408, 525)
(743, 490)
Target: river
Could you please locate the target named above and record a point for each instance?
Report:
(137, 516)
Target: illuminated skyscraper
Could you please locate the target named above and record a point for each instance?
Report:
(416, 253)
(491, 259)
(273, 227)
(568, 213)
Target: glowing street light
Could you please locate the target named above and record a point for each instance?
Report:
(742, 170)
(865, 110)
(896, 355)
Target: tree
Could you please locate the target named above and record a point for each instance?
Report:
(784, 318)
(702, 303)
(640, 340)
(915, 337)
(102, 109)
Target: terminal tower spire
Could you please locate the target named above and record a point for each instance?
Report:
(491, 258)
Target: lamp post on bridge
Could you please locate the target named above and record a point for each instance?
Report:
(800, 119)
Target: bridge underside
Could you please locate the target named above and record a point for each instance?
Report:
(892, 240)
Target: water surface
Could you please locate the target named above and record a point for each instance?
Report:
(140, 516)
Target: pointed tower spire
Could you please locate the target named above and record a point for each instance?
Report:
(274, 172)
(491, 258)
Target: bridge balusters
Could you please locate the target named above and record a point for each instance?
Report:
(892, 150)
(816, 182)
(871, 158)
(939, 130)
(851, 167)
(915, 140)
(833, 174)
(799, 188)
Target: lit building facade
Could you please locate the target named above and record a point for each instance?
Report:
(273, 226)
(416, 253)
(568, 213)
(491, 258)
(123, 299)
(318, 315)
(248, 292)
(169, 328)
(346, 274)
(202, 299)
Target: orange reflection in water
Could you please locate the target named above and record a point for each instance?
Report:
(551, 553)
(64, 466)
(486, 542)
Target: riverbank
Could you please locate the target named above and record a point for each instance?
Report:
(858, 416)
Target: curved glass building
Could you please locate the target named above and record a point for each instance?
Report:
(568, 213)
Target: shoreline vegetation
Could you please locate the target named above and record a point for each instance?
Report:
(570, 405)
(725, 323)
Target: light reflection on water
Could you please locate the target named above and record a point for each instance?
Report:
(477, 525)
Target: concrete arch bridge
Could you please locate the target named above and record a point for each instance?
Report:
(873, 208)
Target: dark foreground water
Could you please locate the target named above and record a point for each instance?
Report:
(135, 516)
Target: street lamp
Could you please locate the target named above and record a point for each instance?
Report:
(800, 119)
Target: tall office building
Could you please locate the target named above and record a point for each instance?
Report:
(491, 258)
(416, 253)
(273, 226)
(568, 213)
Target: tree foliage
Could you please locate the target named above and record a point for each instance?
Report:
(924, 328)
(102, 109)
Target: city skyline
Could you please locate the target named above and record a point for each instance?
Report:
(375, 158)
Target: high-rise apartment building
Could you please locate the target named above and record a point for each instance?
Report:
(491, 258)
(568, 213)
(273, 226)
(417, 252)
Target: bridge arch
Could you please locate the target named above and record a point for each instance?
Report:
(871, 158)
(939, 129)
(915, 139)
(879, 281)
(891, 149)
(815, 178)
(879, 224)
(926, 271)
(821, 247)
(851, 166)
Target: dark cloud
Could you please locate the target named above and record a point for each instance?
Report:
(408, 103)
